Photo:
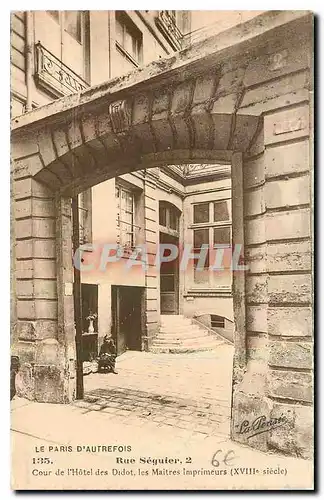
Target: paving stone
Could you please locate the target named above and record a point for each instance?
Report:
(179, 394)
(202, 430)
(108, 409)
(82, 404)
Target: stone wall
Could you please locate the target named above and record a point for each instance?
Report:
(278, 250)
(18, 62)
(152, 285)
(43, 334)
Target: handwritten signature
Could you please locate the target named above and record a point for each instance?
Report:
(261, 424)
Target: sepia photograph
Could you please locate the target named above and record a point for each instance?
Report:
(162, 250)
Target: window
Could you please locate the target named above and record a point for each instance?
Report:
(125, 217)
(217, 321)
(128, 38)
(72, 23)
(66, 40)
(212, 229)
(168, 216)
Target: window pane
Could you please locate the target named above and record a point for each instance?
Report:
(162, 215)
(167, 282)
(72, 23)
(125, 217)
(222, 210)
(135, 48)
(119, 32)
(201, 213)
(129, 202)
(222, 235)
(201, 276)
(204, 254)
(128, 42)
(173, 219)
(201, 236)
(217, 321)
(127, 237)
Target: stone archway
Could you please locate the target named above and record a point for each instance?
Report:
(198, 105)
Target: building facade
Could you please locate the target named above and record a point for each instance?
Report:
(239, 102)
(56, 53)
(186, 207)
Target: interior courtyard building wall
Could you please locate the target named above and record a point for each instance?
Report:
(242, 97)
(195, 299)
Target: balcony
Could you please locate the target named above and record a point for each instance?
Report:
(166, 22)
(54, 76)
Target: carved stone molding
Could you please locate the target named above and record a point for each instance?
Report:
(199, 170)
(120, 116)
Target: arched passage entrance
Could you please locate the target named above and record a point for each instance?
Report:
(197, 106)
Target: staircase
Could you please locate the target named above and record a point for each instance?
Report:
(180, 335)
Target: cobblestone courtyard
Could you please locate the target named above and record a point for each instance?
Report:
(185, 391)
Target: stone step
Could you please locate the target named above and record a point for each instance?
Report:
(181, 337)
(168, 316)
(167, 349)
(179, 334)
(173, 316)
(176, 322)
(181, 331)
(192, 342)
(179, 328)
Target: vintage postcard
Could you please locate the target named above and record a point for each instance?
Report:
(162, 250)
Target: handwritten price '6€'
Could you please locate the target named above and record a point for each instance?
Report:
(223, 457)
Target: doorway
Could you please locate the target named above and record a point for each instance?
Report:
(169, 278)
(127, 317)
(89, 298)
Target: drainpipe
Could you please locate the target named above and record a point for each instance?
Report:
(29, 59)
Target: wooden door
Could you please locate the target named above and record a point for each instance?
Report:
(169, 280)
(118, 331)
(127, 317)
(133, 319)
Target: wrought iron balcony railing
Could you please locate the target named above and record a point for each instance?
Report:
(167, 25)
(58, 78)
